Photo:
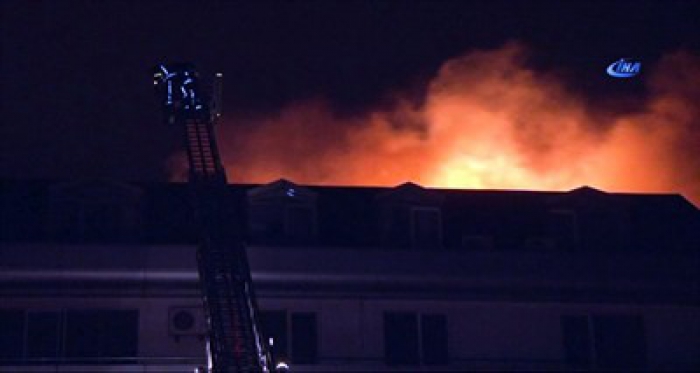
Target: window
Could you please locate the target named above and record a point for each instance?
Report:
(426, 227)
(94, 212)
(274, 327)
(263, 222)
(406, 226)
(293, 223)
(299, 223)
(44, 334)
(413, 339)
(608, 342)
(401, 338)
(101, 333)
(563, 227)
(619, 342)
(396, 227)
(304, 338)
(434, 339)
(282, 212)
(90, 222)
(12, 330)
(294, 335)
(577, 341)
(68, 334)
(102, 221)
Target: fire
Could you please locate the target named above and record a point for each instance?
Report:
(487, 121)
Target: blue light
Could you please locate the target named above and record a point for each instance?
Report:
(291, 192)
(169, 100)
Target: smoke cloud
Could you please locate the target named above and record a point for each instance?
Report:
(486, 121)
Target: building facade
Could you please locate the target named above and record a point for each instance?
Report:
(101, 276)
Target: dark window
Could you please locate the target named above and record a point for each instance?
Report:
(401, 338)
(434, 339)
(426, 227)
(66, 221)
(72, 334)
(562, 226)
(620, 342)
(294, 335)
(264, 221)
(83, 330)
(577, 341)
(304, 338)
(44, 334)
(274, 325)
(102, 222)
(92, 222)
(120, 338)
(299, 222)
(101, 333)
(609, 342)
(12, 328)
(409, 340)
(396, 229)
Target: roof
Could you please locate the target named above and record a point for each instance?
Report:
(355, 216)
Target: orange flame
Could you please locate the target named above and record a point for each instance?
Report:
(487, 121)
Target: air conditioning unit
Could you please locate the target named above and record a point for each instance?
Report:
(186, 320)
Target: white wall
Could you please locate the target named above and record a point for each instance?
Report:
(480, 333)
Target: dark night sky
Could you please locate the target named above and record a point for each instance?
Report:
(77, 99)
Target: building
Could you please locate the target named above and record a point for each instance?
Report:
(101, 276)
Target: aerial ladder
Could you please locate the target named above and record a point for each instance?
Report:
(234, 339)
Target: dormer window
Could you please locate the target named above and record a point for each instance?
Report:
(426, 227)
(299, 222)
(563, 228)
(410, 218)
(282, 213)
(94, 212)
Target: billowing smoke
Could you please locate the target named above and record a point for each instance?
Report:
(487, 121)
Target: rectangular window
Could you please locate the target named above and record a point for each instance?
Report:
(619, 342)
(577, 341)
(294, 335)
(608, 342)
(412, 339)
(12, 331)
(44, 334)
(274, 327)
(299, 223)
(120, 333)
(264, 221)
(71, 334)
(401, 338)
(101, 333)
(563, 228)
(83, 330)
(304, 338)
(426, 227)
(434, 339)
(102, 222)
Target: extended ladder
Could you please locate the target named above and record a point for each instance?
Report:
(235, 343)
